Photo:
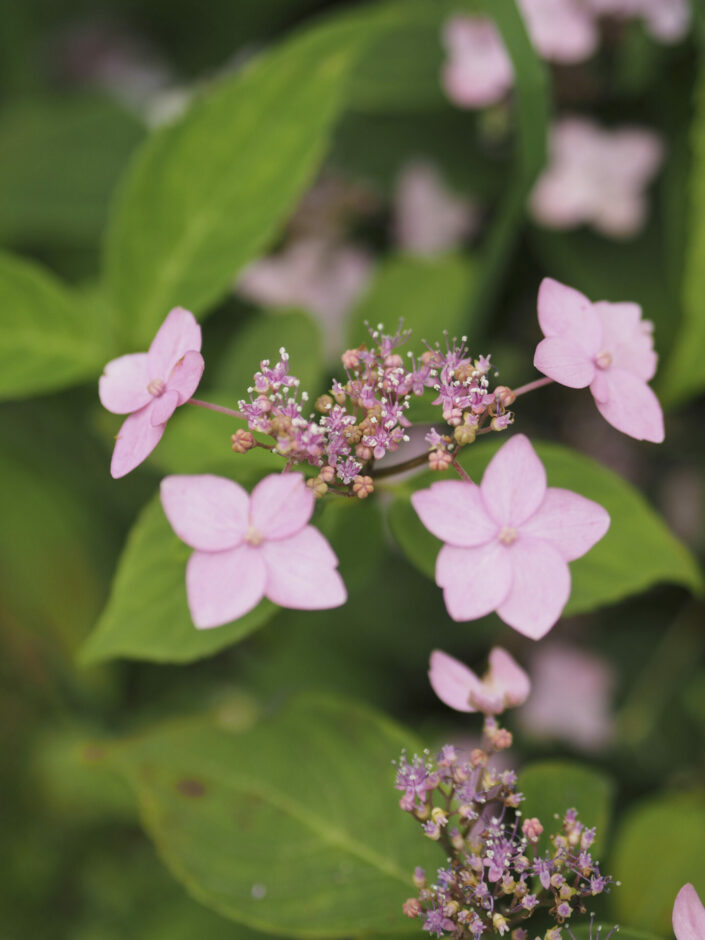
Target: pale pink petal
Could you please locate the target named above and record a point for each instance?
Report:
(475, 581)
(562, 31)
(452, 681)
(123, 385)
(508, 676)
(178, 334)
(688, 915)
(164, 407)
(564, 361)
(565, 311)
(599, 386)
(561, 197)
(631, 406)
(135, 441)
(223, 586)
(570, 522)
(206, 511)
(454, 512)
(281, 505)
(514, 483)
(301, 572)
(667, 20)
(479, 71)
(628, 339)
(186, 375)
(540, 587)
(620, 215)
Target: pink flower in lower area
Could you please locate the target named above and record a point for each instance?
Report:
(150, 386)
(688, 915)
(666, 20)
(478, 71)
(504, 685)
(563, 31)
(597, 177)
(509, 540)
(606, 347)
(250, 546)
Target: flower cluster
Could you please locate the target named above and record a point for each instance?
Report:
(496, 876)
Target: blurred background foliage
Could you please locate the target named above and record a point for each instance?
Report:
(148, 152)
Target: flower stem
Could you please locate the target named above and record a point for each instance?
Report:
(460, 471)
(400, 467)
(531, 386)
(212, 407)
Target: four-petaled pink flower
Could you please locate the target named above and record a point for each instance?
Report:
(606, 346)
(150, 386)
(479, 71)
(688, 915)
(250, 546)
(504, 685)
(509, 540)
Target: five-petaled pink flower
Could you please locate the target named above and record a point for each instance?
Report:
(250, 546)
(688, 915)
(509, 540)
(150, 386)
(504, 685)
(478, 71)
(606, 346)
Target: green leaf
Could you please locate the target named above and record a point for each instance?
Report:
(637, 552)
(65, 198)
(292, 827)
(429, 293)
(47, 338)
(354, 529)
(147, 616)
(208, 193)
(552, 787)
(657, 849)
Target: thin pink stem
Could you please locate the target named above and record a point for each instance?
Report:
(460, 471)
(212, 407)
(531, 386)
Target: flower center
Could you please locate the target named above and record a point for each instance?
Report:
(156, 387)
(603, 360)
(253, 536)
(508, 535)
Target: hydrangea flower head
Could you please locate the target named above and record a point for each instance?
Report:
(563, 31)
(606, 347)
(504, 685)
(250, 546)
(688, 915)
(596, 177)
(478, 71)
(508, 541)
(150, 386)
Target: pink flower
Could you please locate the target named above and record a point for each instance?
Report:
(605, 346)
(509, 540)
(562, 31)
(150, 386)
(250, 547)
(688, 915)
(666, 20)
(596, 177)
(504, 685)
(479, 71)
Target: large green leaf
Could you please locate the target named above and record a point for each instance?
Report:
(207, 193)
(48, 337)
(292, 827)
(147, 616)
(637, 552)
(657, 849)
(552, 787)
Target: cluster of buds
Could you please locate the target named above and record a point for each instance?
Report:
(363, 419)
(495, 878)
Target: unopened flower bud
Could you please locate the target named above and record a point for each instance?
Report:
(464, 434)
(432, 830)
(327, 474)
(438, 816)
(353, 434)
(351, 358)
(502, 739)
(363, 452)
(457, 840)
(324, 403)
(363, 486)
(264, 403)
(338, 394)
(505, 396)
(478, 758)
(439, 460)
(394, 361)
(500, 923)
(412, 907)
(419, 877)
(242, 441)
(532, 829)
(318, 486)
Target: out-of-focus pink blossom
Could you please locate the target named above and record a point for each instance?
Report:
(322, 276)
(563, 31)
(250, 546)
(596, 177)
(688, 915)
(150, 386)
(478, 71)
(428, 218)
(666, 20)
(571, 698)
(508, 541)
(606, 346)
(504, 685)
